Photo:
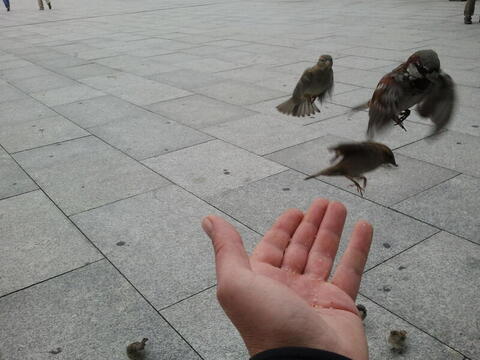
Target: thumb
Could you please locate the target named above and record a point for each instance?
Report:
(230, 254)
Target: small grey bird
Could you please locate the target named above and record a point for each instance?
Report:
(397, 340)
(316, 82)
(357, 159)
(135, 351)
(362, 310)
(420, 81)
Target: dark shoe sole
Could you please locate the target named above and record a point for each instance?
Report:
(50, 6)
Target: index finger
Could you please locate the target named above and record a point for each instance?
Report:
(349, 272)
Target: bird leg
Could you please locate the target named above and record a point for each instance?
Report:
(364, 181)
(312, 99)
(357, 185)
(401, 118)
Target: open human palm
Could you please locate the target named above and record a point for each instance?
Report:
(281, 295)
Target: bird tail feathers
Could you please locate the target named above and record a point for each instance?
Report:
(330, 171)
(305, 108)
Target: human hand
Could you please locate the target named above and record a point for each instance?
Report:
(281, 296)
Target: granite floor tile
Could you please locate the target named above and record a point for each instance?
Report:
(136, 65)
(66, 95)
(443, 301)
(450, 149)
(380, 322)
(90, 313)
(451, 206)
(262, 134)
(363, 63)
(202, 322)
(387, 185)
(158, 233)
(212, 167)
(327, 111)
(147, 135)
(14, 112)
(239, 93)
(257, 205)
(42, 83)
(199, 111)
(38, 242)
(98, 111)
(13, 180)
(187, 79)
(34, 133)
(87, 70)
(10, 93)
(85, 173)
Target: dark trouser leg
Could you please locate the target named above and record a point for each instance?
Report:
(7, 3)
(469, 8)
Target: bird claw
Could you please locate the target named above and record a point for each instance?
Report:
(401, 118)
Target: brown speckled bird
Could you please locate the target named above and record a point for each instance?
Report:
(397, 341)
(357, 159)
(316, 82)
(135, 351)
(420, 81)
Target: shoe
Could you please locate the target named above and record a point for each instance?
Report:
(8, 8)
(42, 8)
(467, 20)
(49, 6)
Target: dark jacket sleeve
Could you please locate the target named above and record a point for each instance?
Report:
(297, 353)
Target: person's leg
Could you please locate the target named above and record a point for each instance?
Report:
(49, 4)
(7, 4)
(40, 4)
(469, 10)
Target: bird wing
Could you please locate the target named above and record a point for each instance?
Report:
(303, 84)
(329, 89)
(439, 103)
(349, 148)
(383, 107)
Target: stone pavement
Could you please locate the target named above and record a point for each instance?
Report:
(123, 123)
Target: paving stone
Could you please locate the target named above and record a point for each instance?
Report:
(135, 89)
(98, 111)
(451, 149)
(66, 95)
(147, 135)
(380, 322)
(354, 126)
(38, 242)
(257, 205)
(136, 65)
(85, 173)
(14, 112)
(24, 72)
(90, 313)
(212, 167)
(13, 180)
(327, 111)
(451, 206)
(209, 65)
(187, 79)
(353, 98)
(363, 63)
(202, 322)
(262, 134)
(239, 93)
(212, 112)
(158, 233)
(364, 78)
(386, 185)
(42, 83)
(9, 93)
(437, 301)
(87, 70)
(34, 133)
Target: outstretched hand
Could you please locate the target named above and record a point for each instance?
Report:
(281, 295)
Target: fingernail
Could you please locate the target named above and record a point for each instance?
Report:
(207, 226)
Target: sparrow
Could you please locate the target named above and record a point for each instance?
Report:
(362, 310)
(397, 341)
(135, 351)
(418, 81)
(316, 82)
(357, 159)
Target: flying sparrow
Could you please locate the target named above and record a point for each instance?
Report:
(418, 81)
(357, 159)
(316, 82)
